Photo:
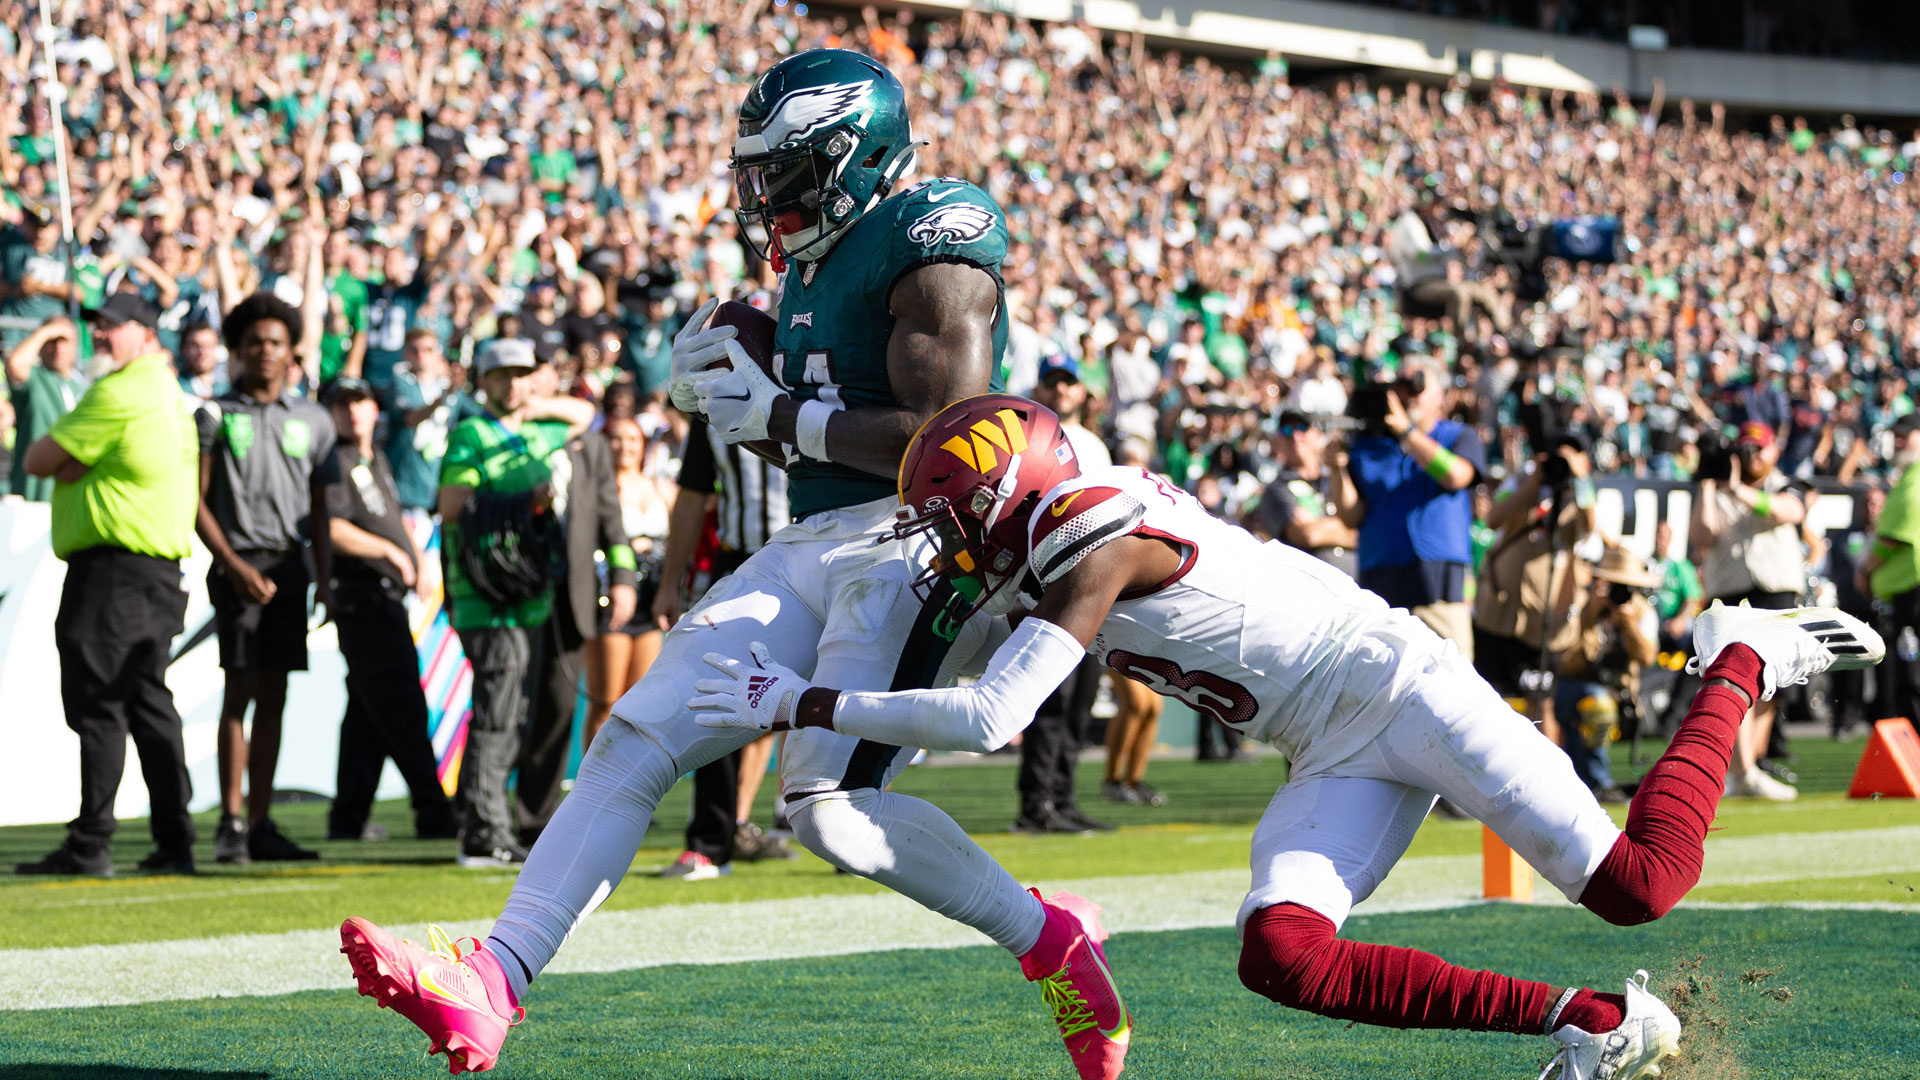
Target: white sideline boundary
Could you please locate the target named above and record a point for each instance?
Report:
(711, 933)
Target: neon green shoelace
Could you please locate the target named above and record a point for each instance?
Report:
(1070, 1009)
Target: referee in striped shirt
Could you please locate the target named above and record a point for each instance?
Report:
(749, 497)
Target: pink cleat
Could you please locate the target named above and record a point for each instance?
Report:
(1077, 987)
(458, 997)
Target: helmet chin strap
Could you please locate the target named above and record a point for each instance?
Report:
(1003, 492)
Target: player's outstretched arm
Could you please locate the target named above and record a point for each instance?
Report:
(941, 350)
(1042, 653)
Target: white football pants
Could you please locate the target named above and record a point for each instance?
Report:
(828, 602)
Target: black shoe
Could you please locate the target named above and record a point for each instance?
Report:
(437, 827)
(750, 844)
(266, 843)
(1047, 820)
(503, 855)
(1115, 791)
(1073, 814)
(163, 861)
(65, 860)
(230, 841)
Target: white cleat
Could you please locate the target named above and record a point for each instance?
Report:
(1793, 644)
(1649, 1034)
(1758, 785)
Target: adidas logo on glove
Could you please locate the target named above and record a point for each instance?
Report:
(757, 687)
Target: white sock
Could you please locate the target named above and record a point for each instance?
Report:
(912, 847)
(584, 851)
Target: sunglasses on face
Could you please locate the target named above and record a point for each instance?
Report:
(1294, 429)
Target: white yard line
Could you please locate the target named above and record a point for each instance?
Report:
(266, 964)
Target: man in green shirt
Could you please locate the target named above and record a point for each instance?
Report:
(501, 464)
(1891, 570)
(33, 279)
(44, 387)
(1679, 597)
(126, 464)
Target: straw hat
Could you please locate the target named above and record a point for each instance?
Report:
(1623, 567)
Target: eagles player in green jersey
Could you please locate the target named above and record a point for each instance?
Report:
(892, 308)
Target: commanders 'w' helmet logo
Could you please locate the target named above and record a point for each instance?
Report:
(961, 223)
(1007, 436)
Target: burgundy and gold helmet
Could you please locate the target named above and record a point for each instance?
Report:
(972, 476)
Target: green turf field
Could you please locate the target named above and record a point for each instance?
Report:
(1796, 960)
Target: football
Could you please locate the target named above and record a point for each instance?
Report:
(756, 333)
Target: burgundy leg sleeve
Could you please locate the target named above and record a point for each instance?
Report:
(1657, 859)
(1292, 956)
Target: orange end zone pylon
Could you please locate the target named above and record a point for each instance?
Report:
(1504, 875)
(1891, 764)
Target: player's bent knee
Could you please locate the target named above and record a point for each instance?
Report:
(1284, 948)
(839, 827)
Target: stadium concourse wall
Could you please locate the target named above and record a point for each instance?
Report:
(1431, 45)
(40, 762)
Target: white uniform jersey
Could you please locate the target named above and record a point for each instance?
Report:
(1262, 636)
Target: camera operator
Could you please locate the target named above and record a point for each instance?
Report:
(1406, 489)
(1530, 580)
(1598, 683)
(1297, 506)
(1746, 526)
(1432, 275)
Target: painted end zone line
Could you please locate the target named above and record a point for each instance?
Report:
(269, 964)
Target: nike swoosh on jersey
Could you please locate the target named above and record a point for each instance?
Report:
(931, 197)
(1060, 505)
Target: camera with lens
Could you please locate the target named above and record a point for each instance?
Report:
(1368, 406)
(1620, 594)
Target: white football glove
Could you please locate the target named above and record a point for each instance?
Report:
(694, 347)
(737, 403)
(756, 694)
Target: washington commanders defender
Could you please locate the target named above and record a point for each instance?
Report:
(891, 309)
(1375, 712)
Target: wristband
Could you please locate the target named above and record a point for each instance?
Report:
(1763, 505)
(1442, 465)
(620, 557)
(1582, 492)
(810, 429)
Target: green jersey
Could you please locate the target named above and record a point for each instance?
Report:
(830, 341)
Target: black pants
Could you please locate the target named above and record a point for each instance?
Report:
(1211, 729)
(118, 613)
(1903, 676)
(503, 660)
(386, 711)
(555, 686)
(716, 794)
(1052, 743)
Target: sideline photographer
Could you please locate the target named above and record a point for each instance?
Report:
(1596, 691)
(1746, 527)
(1406, 489)
(1530, 581)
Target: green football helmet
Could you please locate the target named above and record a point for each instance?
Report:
(823, 135)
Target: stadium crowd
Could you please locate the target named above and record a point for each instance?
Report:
(1208, 249)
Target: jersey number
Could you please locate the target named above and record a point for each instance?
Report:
(1202, 691)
